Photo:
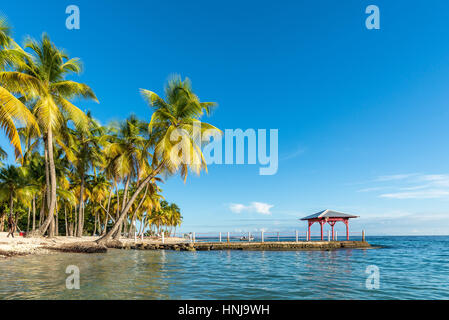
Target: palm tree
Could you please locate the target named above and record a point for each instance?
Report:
(34, 167)
(3, 156)
(175, 217)
(44, 78)
(127, 153)
(87, 155)
(12, 110)
(181, 113)
(151, 204)
(149, 200)
(13, 185)
(99, 187)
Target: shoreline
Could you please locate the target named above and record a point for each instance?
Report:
(20, 246)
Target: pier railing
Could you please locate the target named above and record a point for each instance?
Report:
(268, 236)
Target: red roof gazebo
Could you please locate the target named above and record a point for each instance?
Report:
(331, 217)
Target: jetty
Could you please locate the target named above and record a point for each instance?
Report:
(255, 246)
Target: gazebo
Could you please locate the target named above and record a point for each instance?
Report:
(331, 217)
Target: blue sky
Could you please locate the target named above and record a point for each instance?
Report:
(362, 114)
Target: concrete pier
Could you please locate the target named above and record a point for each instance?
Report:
(255, 246)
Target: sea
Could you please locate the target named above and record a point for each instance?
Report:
(397, 267)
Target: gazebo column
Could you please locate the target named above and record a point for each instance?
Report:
(347, 228)
(309, 235)
(332, 223)
(322, 222)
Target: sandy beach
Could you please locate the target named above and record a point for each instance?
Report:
(19, 245)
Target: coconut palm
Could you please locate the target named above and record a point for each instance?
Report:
(180, 114)
(14, 185)
(147, 201)
(99, 188)
(12, 110)
(86, 156)
(34, 166)
(175, 217)
(44, 78)
(152, 203)
(127, 153)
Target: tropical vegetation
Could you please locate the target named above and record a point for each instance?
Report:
(74, 176)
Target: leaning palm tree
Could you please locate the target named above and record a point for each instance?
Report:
(12, 110)
(44, 76)
(179, 114)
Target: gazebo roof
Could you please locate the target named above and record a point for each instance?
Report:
(328, 214)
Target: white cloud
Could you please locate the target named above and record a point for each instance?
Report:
(237, 208)
(440, 180)
(395, 177)
(425, 194)
(262, 208)
(412, 186)
(371, 189)
(257, 207)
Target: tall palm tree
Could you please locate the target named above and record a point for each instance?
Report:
(151, 204)
(127, 153)
(175, 217)
(99, 188)
(180, 112)
(44, 77)
(35, 171)
(87, 155)
(12, 110)
(13, 185)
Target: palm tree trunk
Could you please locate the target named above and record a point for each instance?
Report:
(34, 213)
(117, 213)
(56, 233)
(57, 223)
(42, 211)
(125, 193)
(11, 203)
(80, 212)
(95, 223)
(65, 219)
(49, 222)
(107, 213)
(124, 212)
(28, 222)
(133, 221)
(142, 226)
(76, 222)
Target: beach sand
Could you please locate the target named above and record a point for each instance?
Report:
(19, 245)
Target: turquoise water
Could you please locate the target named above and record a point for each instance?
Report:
(409, 268)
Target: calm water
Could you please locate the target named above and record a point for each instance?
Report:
(410, 268)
